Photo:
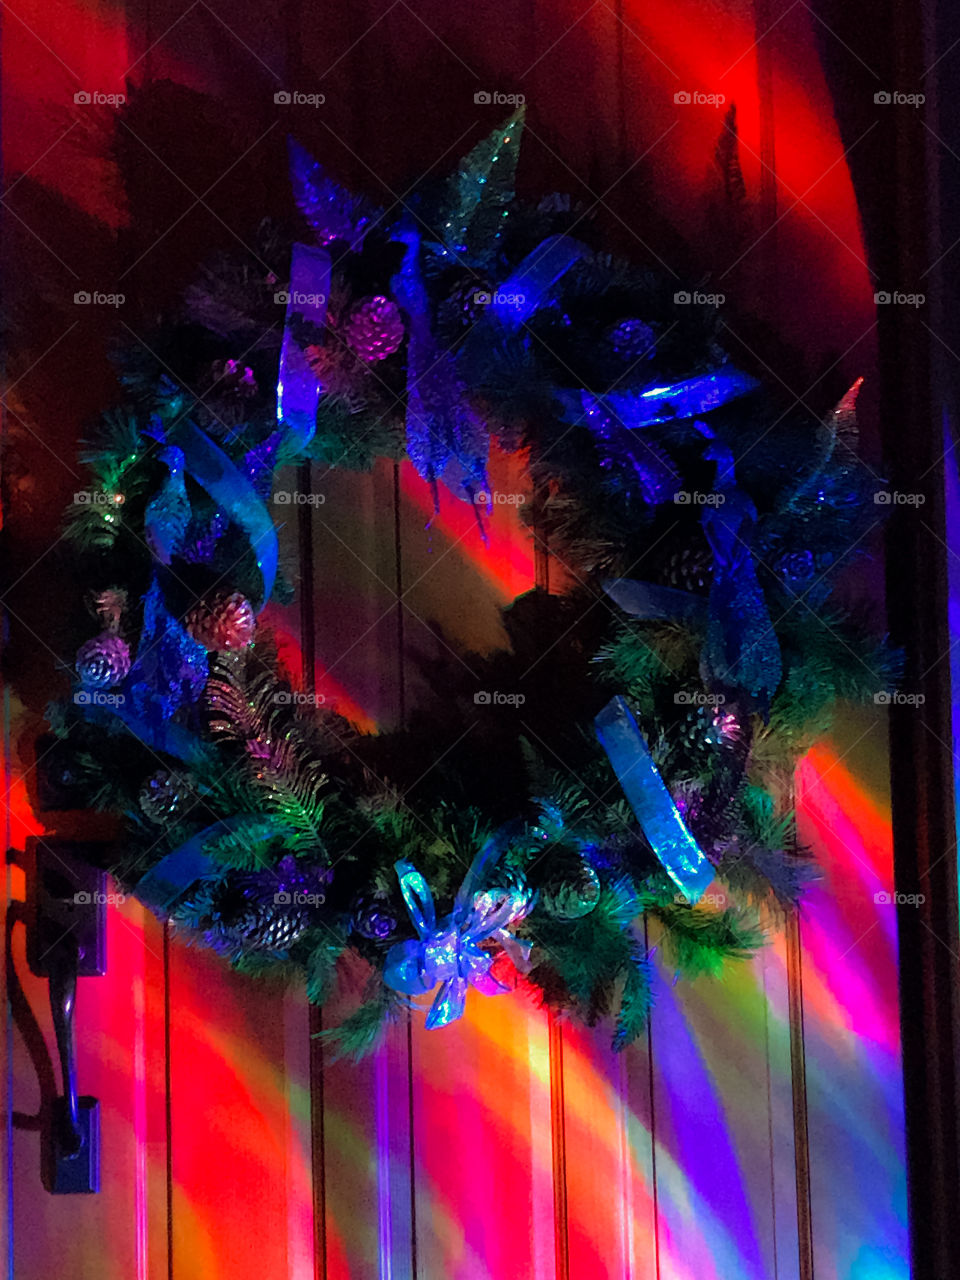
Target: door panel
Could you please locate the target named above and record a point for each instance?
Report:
(851, 1015)
(610, 1215)
(242, 1198)
(719, 1139)
(482, 1147)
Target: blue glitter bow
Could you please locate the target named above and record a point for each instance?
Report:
(449, 951)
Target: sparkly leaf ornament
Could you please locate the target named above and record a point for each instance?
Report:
(168, 512)
(480, 193)
(331, 210)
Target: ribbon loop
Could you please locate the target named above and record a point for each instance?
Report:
(450, 952)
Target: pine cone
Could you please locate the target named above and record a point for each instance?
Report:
(688, 568)
(374, 329)
(374, 918)
(247, 917)
(223, 624)
(571, 892)
(161, 796)
(467, 301)
(707, 728)
(631, 340)
(103, 661)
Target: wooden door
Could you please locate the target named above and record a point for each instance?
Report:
(757, 1132)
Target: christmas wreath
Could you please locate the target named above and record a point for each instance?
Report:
(667, 694)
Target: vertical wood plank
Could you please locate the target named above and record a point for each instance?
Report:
(713, 1114)
(355, 667)
(851, 1027)
(369, 1225)
(609, 1157)
(482, 1143)
(240, 1148)
(772, 964)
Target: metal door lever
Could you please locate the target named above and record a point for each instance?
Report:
(66, 936)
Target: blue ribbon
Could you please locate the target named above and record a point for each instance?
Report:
(659, 402)
(652, 602)
(524, 292)
(298, 387)
(167, 882)
(449, 951)
(164, 737)
(655, 474)
(233, 491)
(668, 835)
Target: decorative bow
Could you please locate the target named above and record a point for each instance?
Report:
(449, 951)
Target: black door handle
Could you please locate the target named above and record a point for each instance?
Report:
(63, 968)
(66, 939)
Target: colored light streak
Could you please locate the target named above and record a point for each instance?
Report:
(852, 1040)
(505, 560)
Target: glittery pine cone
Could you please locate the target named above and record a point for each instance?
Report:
(467, 302)
(631, 340)
(225, 623)
(689, 569)
(232, 378)
(107, 607)
(704, 729)
(161, 796)
(571, 893)
(374, 328)
(373, 918)
(244, 919)
(267, 910)
(103, 661)
(796, 566)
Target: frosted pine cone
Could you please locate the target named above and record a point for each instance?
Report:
(103, 661)
(161, 796)
(223, 624)
(374, 328)
(631, 339)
